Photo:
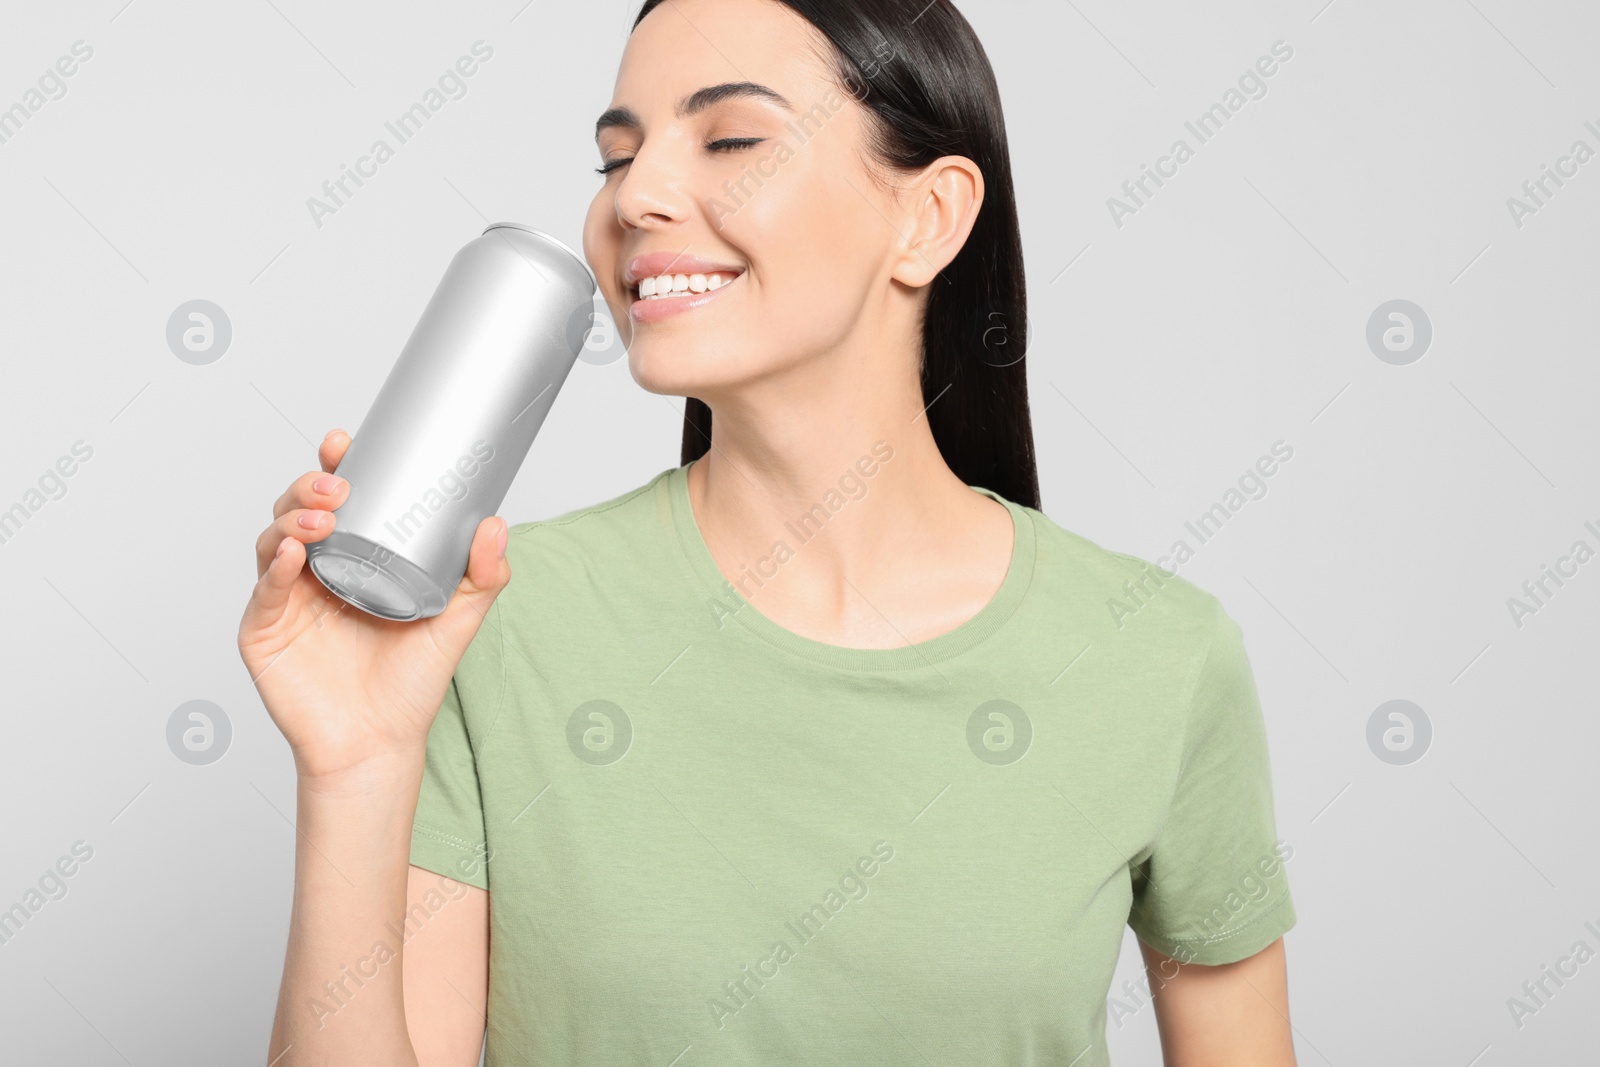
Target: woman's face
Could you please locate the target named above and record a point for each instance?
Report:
(730, 181)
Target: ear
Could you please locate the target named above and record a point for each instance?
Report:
(943, 205)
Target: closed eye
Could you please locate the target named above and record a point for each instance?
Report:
(726, 144)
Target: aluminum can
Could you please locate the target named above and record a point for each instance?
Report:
(453, 421)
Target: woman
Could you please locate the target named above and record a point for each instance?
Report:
(827, 745)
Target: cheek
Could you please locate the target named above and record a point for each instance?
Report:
(598, 239)
(602, 249)
(815, 243)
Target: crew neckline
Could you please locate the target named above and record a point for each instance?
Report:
(1013, 589)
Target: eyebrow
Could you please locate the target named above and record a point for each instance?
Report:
(693, 104)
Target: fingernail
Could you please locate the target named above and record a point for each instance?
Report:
(326, 485)
(310, 519)
(281, 546)
(501, 541)
(331, 433)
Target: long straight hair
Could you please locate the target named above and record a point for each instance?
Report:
(929, 91)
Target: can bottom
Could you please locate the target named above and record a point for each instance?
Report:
(372, 577)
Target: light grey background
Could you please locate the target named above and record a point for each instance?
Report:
(1168, 354)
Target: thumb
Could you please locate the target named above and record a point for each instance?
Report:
(487, 574)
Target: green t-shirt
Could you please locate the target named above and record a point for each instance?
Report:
(710, 840)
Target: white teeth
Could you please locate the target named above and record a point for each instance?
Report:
(666, 286)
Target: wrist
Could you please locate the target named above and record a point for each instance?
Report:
(380, 775)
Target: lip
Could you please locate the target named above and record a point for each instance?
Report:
(658, 263)
(646, 311)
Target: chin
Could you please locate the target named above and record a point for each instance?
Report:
(666, 370)
(661, 373)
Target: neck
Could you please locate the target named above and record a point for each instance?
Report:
(834, 480)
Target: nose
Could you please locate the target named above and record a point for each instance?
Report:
(651, 193)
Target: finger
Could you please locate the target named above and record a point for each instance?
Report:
(487, 569)
(270, 598)
(487, 575)
(313, 489)
(332, 449)
(301, 524)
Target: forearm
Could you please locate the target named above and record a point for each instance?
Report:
(341, 1000)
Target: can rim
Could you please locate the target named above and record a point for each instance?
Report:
(552, 239)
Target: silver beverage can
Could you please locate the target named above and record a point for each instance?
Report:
(454, 420)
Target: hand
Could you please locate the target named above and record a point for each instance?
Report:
(346, 687)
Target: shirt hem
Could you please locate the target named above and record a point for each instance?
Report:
(449, 855)
(1246, 941)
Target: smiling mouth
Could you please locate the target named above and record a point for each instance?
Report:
(680, 286)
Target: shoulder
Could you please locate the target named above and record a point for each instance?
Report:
(1131, 596)
(593, 531)
(582, 567)
(1155, 630)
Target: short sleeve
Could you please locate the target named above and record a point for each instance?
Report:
(1212, 888)
(447, 835)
